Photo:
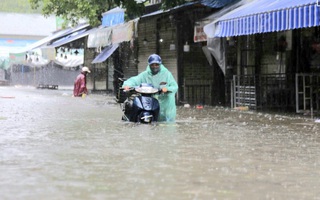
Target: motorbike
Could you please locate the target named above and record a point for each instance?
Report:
(139, 104)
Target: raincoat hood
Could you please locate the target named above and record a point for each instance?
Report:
(161, 68)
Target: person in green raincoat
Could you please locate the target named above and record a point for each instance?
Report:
(160, 77)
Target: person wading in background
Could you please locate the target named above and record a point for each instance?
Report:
(80, 84)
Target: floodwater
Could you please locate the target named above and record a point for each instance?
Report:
(54, 146)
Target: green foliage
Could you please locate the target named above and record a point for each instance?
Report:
(133, 8)
(73, 10)
(17, 6)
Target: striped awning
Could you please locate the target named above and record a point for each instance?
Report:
(262, 16)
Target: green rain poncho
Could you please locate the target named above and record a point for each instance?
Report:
(166, 100)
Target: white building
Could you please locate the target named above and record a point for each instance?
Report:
(20, 30)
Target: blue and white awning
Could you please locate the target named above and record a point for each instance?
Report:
(262, 16)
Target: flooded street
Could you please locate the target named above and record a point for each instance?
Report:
(54, 146)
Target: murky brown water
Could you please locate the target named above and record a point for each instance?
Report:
(54, 146)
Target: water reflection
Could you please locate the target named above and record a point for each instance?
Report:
(54, 146)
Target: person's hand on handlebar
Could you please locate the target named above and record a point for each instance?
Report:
(164, 89)
(126, 88)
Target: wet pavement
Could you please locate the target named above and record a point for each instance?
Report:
(54, 146)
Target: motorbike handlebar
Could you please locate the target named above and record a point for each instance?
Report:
(134, 89)
(161, 92)
(127, 90)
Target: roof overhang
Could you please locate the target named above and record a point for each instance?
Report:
(204, 3)
(105, 54)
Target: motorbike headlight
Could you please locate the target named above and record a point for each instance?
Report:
(146, 117)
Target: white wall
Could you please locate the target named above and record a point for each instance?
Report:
(26, 25)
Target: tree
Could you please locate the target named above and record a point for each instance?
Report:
(17, 6)
(73, 10)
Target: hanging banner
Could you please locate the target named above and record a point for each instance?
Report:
(70, 61)
(48, 53)
(199, 34)
(99, 38)
(17, 58)
(122, 33)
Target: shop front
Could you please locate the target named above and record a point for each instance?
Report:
(270, 54)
